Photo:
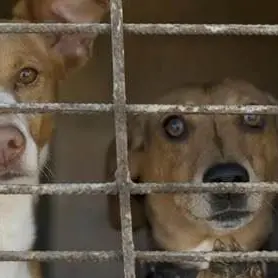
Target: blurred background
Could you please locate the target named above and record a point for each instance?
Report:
(154, 64)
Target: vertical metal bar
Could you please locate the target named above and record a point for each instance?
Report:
(120, 118)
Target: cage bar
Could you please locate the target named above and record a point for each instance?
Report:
(137, 188)
(120, 119)
(144, 29)
(89, 108)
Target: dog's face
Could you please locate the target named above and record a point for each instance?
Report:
(206, 148)
(27, 74)
(31, 68)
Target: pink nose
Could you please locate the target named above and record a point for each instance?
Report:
(12, 145)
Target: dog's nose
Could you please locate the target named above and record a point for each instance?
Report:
(12, 145)
(226, 172)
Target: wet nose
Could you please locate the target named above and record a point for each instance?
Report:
(12, 145)
(227, 172)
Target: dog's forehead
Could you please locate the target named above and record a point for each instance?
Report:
(23, 48)
(238, 92)
(227, 92)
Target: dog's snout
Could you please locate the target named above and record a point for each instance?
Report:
(12, 145)
(226, 172)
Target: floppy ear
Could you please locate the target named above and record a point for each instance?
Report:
(135, 148)
(75, 49)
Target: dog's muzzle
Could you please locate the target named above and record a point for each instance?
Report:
(227, 207)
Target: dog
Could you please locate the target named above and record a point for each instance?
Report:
(238, 270)
(174, 147)
(32, 67)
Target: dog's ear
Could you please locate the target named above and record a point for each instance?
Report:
(75, 49)
(136, 143)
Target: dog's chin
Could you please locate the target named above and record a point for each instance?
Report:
(229, 220)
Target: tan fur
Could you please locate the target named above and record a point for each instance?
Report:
(154, 158)
(22, 51)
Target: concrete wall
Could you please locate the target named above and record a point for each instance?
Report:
(153, 65)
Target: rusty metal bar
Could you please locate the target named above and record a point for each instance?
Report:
(120, 118)
(68, 256)
(144, 29)
(181, 257)
(88, 108)
(142, 188)
(142, 256)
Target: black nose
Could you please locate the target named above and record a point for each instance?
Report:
(226, 172)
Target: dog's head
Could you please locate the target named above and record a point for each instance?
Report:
(31, 68)
(205, 148)
(77, 48)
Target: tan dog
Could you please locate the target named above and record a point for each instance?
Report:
(202, 148)
(236, 270)
(31, 68)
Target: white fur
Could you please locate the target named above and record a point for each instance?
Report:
(17, 229)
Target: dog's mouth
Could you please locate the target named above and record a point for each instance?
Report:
(230, 219)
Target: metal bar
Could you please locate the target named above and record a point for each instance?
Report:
(68, 256)
(142, 256)
(181, 257)
(64, 108)
(120, 118)
(144, 29)
(202, 109)
(88, 108)
(141, 188)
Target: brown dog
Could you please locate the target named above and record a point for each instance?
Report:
(196, 148)
(31, 68)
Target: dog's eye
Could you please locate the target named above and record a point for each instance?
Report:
(253, 120)
(175, 127)
(27, 76)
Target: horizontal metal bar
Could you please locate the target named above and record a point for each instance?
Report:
(147, 188)
(88, 108)
(69, 256)
(142, 256)
(64, 108)
(202, 109)
(143, 29)
(141, 188)
(181, 257)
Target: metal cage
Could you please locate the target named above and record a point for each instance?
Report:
(123, 184)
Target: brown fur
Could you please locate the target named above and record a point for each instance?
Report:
(154, 158)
